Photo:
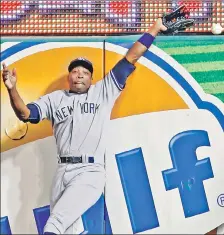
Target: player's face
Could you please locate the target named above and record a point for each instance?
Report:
(79, 79)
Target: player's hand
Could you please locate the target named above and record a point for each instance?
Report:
(9, 77)
(159, 25)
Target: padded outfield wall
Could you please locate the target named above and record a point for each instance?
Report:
(174, 98)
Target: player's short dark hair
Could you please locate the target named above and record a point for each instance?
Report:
(81, 62)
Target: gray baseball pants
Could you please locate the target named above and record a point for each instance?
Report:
(76, 187)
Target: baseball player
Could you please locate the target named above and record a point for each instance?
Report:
(79, 116)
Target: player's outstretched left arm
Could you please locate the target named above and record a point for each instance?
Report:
(142, 45)
(170, 23)
(125, 66)
(173, 22)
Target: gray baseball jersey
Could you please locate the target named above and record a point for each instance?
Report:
(78, 120)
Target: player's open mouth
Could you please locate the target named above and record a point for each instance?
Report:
(79, 83)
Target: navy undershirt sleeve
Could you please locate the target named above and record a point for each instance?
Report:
(34, 114)
(121, 71)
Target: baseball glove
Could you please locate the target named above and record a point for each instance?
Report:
(177, 20)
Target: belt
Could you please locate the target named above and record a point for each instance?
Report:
(75, 160)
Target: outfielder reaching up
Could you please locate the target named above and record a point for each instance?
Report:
(78, 117)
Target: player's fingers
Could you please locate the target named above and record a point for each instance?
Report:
(5, 75)
(14, 72)
(5, 72)
(4, 66)
(5, 69)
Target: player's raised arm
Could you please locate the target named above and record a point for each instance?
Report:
(142, 45)
(18, 105)
(169, 23)
(125, 66)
